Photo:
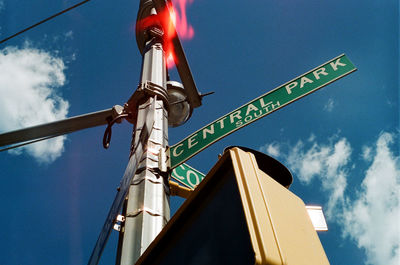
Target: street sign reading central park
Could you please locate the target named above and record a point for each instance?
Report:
(260, 107)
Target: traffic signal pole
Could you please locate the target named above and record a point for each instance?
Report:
(147, 206)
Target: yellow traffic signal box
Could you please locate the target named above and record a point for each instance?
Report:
(241, 213)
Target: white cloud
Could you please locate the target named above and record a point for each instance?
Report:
(328, 162)
(329, 105)
(69, 35)
(373, 219)
(311, 138)
(28, 81)
(367, 153)
(272, 149)
(61, 38)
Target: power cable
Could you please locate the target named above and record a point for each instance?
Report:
(43, 21)
(108, 131)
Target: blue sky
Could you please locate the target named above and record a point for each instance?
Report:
(341, 143)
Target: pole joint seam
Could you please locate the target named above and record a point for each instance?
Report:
(147, 210)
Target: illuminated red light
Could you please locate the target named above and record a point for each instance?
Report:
(185, 31)
(170, 59)
(176, 19)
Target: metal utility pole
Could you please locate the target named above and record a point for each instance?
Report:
(147, 207)
(145, 180)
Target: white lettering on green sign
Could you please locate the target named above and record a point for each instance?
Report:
(260, 107)
(187, 175)
(304, 80)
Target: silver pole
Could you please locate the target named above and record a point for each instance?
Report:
(147, 209)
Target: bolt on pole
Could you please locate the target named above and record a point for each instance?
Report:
(147, 207)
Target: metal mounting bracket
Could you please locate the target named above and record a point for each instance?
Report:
(162, 160)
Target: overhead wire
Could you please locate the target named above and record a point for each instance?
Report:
(22, 31)
(44, 20)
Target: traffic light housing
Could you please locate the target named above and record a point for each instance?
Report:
(239, 214)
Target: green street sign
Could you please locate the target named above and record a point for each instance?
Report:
(187, 175)
(260, 107)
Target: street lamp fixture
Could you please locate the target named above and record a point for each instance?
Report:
(179, 108)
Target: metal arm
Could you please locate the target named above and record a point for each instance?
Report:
(60, 127)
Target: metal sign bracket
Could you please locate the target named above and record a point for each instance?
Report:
(163, 160)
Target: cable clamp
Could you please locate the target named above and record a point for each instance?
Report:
(120, 219)
(145, 90)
